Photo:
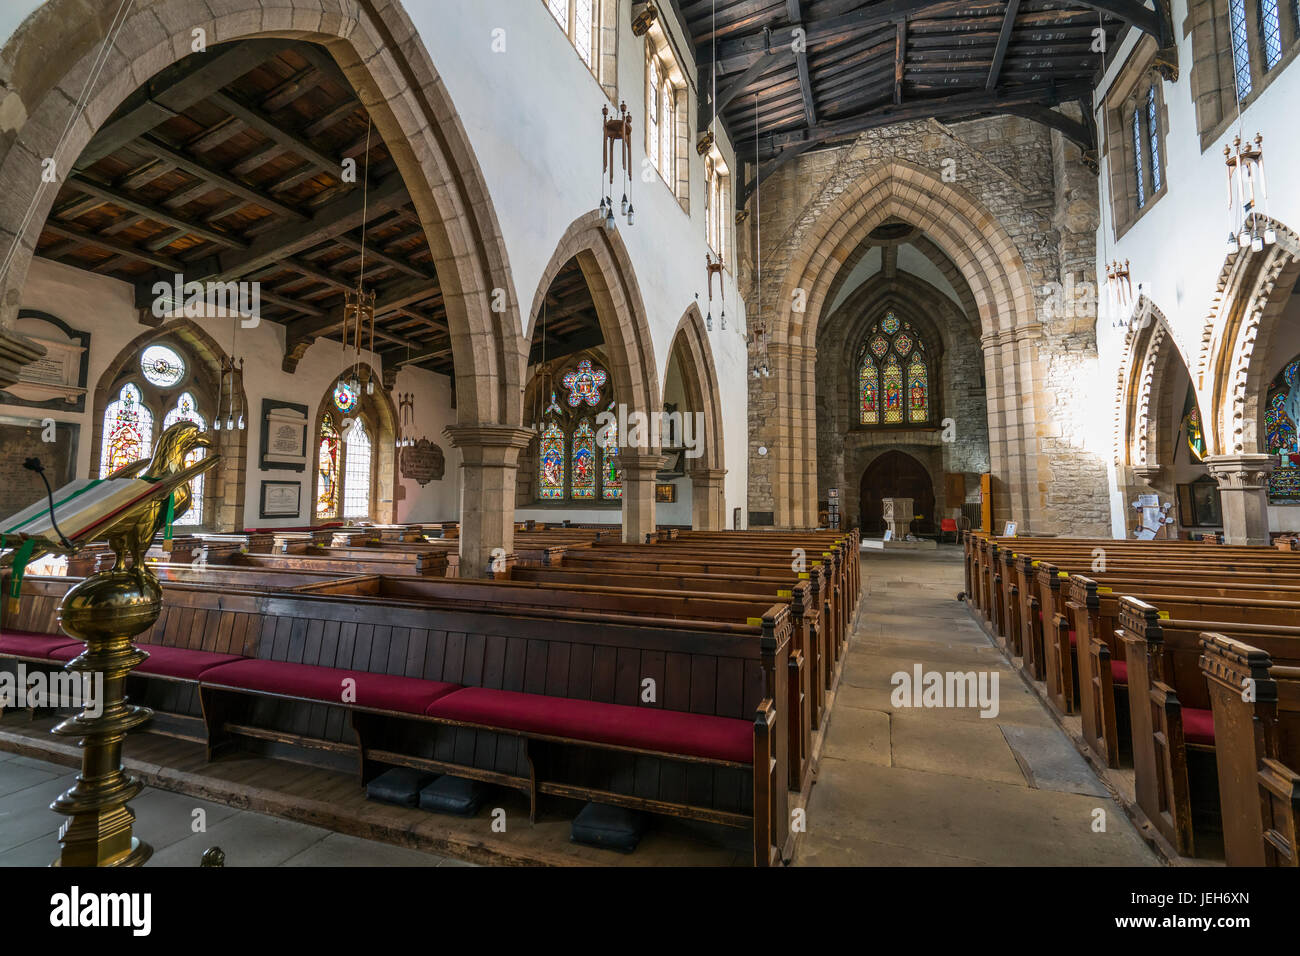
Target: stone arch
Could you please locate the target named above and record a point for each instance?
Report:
(607, 269)
(691, 353)
(224, 490)
(380, 416)
(1149, 351)
(1232, 372)
(994, 270)
(379, 51)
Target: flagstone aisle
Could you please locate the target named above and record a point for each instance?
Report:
(942, 786)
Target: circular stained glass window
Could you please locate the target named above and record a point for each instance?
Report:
(345, 398)
(162, 366)
(879, 346)
(890, 324)
(903, 344)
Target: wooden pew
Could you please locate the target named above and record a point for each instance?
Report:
(584, 656)
(1167, 690)
(1256, 704)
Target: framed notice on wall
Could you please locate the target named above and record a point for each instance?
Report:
(284, 436)
(665, 492)
(281, 499)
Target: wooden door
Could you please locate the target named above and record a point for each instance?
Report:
(896, 474)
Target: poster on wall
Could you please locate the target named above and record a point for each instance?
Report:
(281, 499)
(666, 492)
(284, 436)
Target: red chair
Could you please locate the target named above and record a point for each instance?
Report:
(947, 525)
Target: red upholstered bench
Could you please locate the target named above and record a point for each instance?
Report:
(406, 695)
(1198, 726)
(1118, 672)
(37, 647)
(618, 725)
(178, 663)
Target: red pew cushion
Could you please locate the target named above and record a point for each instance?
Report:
(39, 646)
(1198, 725)
(408, 695)
(647, 728)
(1074, 639)
(178, 662)
(1118, 672)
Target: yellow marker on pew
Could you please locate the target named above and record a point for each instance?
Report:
(1101, 590)
(757, 621)
(1035, 564)
(1062, 574)
(1164, 615)
(803, 575)
(784, 593)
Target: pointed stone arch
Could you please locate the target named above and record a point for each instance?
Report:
(224, 489)
(990, 264)
(691, 354)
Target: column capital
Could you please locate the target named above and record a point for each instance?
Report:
(1245, 472)
(487, 435)
(1148, 473)
(639, 464)
(707, 475)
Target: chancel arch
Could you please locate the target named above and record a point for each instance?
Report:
(990, 264)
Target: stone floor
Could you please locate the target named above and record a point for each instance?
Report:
(168, 822)
(900, 786)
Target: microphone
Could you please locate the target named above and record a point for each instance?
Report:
(34, 464)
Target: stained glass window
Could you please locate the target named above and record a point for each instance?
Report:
(1240, 47)
(128, 431)
(869, 393)
(356, 471)
(327, 486)
(584, 460)
(893, 375)
(161, 366)
(612, 480)
(1137, 159)
(185, 411)
(553, 408)
(1270, 28)
(1153, 137)
(584, 384)
(550, 469)
(1281, 416)
(345, 398)
(918, 391)
(892, 389)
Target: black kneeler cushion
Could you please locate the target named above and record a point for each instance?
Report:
(400, 785)
(450, 794)
(610, 828)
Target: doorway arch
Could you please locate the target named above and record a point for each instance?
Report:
(895, 474)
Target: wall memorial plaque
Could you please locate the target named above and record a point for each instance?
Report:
(423, 462)
(281, 499)
(284, 436)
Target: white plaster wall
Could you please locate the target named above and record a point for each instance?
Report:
(1177, 248)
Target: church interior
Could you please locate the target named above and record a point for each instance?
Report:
(882, 451)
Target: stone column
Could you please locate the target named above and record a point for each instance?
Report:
(708, 511)
(1243, 489)
(639, 470)
(489, 457)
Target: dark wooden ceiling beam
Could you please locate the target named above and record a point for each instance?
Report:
(153, 212)
(254, 118)
(1004, 38)
(388, 299)
(218, 177)
(900, 55)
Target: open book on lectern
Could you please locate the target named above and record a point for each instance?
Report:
(84, 509)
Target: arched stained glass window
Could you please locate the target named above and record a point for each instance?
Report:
(584, 460)
(584, 384)
(894, 375)
(918, 391)
(327, 487)
(128, 431)
(1281, 418)
(185, 411)
(550, 466)
(869, 392)
(356, 471)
